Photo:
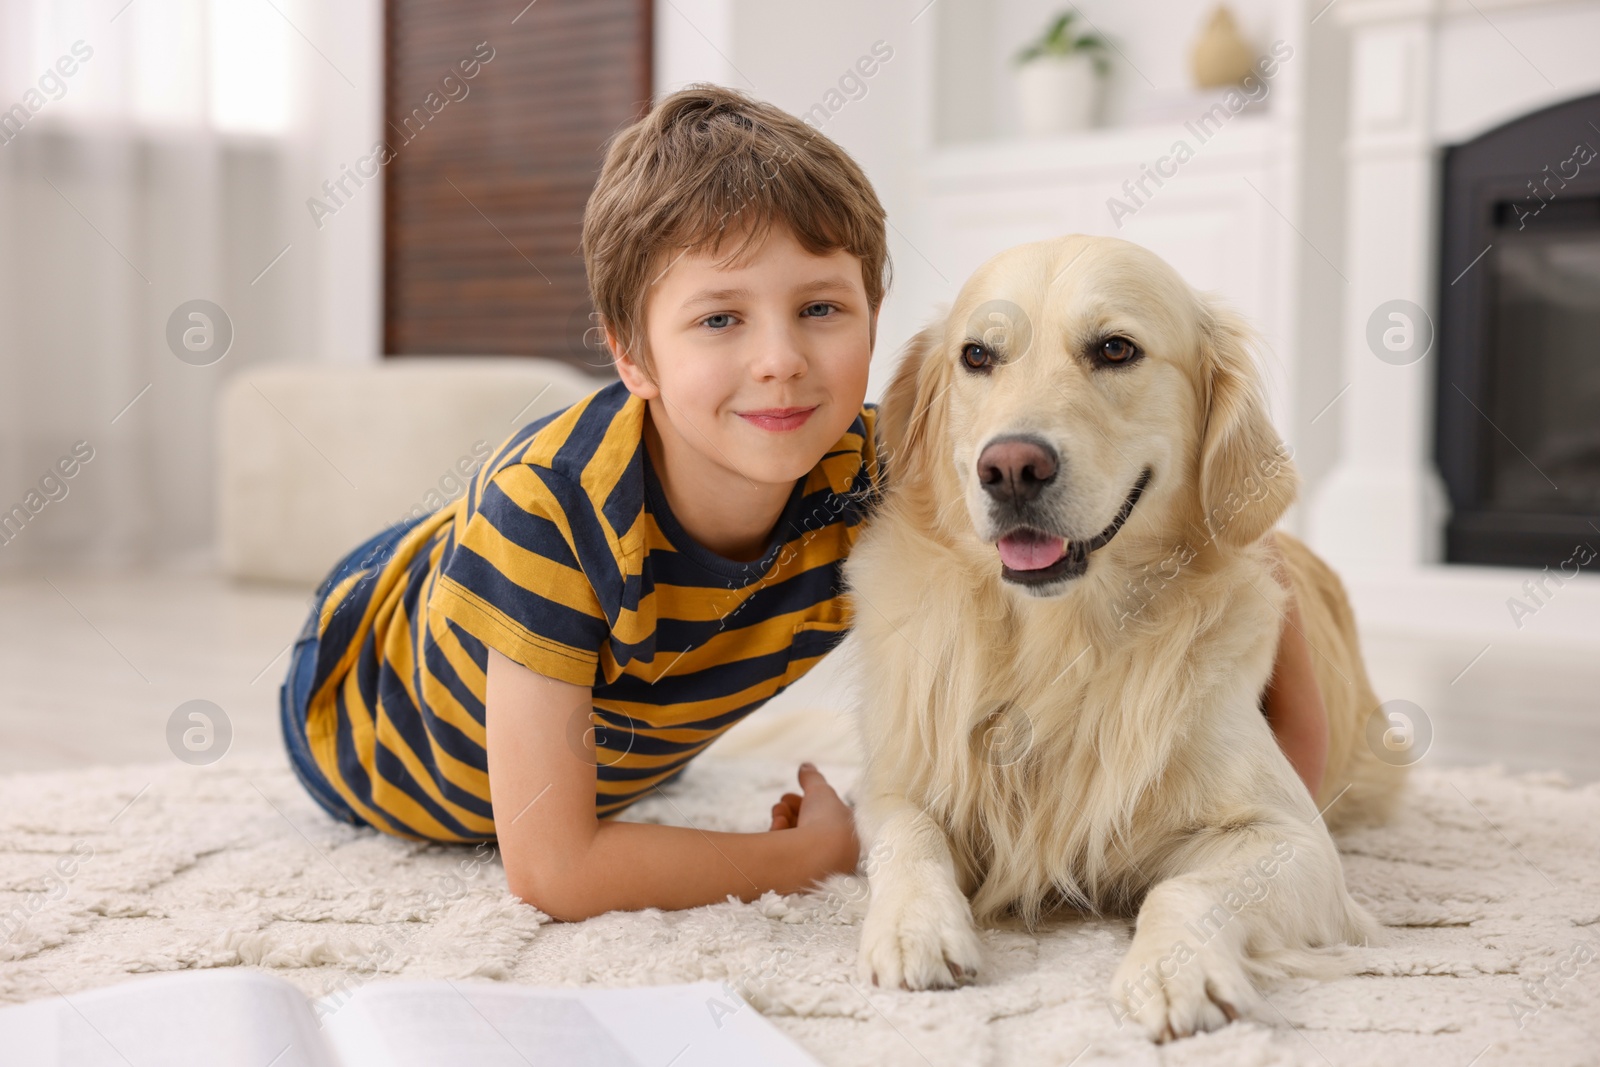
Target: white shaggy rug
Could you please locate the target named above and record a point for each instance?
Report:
(1489, 887)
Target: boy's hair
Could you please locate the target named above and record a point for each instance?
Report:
(706, 162)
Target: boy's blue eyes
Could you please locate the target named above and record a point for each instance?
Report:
(722, 318)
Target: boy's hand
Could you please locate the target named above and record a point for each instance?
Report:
(819, 796)
(821, 812)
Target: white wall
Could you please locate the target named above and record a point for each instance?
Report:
(693, 42)
(348, 250)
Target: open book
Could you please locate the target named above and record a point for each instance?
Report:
(241, 1018)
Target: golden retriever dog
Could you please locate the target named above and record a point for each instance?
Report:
(1068, 614)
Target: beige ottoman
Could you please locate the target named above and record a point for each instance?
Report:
(313, 460)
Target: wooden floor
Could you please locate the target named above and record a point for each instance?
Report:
(93, 667)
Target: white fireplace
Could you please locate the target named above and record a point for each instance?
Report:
(1424, 75)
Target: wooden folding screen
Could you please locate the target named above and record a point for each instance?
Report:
(495, 122)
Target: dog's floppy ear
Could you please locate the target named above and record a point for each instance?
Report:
(1246, 477)
(904, 414)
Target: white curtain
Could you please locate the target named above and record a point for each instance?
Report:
(154, 153)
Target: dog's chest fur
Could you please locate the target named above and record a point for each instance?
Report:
(1060, 754)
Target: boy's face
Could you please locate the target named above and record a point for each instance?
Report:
(786, 329)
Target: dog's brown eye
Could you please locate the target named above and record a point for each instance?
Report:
(1118, 350)
(975, 356)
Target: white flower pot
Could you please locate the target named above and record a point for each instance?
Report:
(1057, 94)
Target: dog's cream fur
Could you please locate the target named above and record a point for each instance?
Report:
(1099, 743)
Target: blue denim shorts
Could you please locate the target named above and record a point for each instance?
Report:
(295, 693)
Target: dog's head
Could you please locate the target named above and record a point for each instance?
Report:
(1085, 403)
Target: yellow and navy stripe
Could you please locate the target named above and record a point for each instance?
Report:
(564, 556)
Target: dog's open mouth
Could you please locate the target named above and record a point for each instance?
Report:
(1030, 556)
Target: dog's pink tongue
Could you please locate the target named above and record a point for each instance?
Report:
(1029, 550)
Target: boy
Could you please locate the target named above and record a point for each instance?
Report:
(627, 578)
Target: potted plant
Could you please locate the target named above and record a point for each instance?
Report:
(1058, 77)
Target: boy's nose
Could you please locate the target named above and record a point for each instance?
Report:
(780, 357)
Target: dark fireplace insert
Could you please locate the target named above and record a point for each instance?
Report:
(1517, 407)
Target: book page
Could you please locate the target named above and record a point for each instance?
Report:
(422, 1024)
(490, 1024)
(221, 1018)
(704, 1024)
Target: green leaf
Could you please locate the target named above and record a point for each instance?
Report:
(1060, 39)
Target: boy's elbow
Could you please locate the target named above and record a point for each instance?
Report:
(565, 896)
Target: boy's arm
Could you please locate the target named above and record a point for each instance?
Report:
(1293, 699)
(561, 858)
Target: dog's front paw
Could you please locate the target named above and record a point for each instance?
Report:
(1174, 990)
(920, 938)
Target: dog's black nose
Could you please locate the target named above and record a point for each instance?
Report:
(1014, 469)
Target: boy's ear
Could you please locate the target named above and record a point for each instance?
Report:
(632, 375)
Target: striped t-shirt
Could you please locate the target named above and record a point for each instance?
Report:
(564, 556)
